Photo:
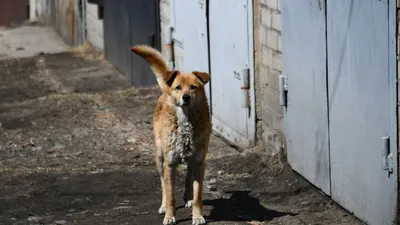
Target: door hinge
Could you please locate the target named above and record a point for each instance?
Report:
(169, 45)
(244, 76)
(387, 156)
(283, 89)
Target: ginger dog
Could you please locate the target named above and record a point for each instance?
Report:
(181, 127)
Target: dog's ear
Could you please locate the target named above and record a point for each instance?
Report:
(170, 77)
(203, 77)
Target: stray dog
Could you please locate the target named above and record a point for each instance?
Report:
(182, 128)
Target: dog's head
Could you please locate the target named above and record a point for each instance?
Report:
(186, 89)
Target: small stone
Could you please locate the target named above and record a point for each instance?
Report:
(132, 140)
(34, 218)
(37, 148)
(61, 222)
(220, 172)
(58, 146)
(212, 187)
(97, 171)
(42, 98)
(212, 181)
(103, 107)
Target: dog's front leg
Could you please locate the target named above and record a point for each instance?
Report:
(169, 178)
(198, 177)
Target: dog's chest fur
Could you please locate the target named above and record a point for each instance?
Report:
(183, 139)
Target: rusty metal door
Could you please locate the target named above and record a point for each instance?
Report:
(128, 23)
(13, 11)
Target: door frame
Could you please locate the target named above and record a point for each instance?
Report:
(393, 93)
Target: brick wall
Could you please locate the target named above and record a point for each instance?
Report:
(94, 26)
(268, 66)
(165, 12)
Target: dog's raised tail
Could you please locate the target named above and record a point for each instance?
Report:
(156, 61)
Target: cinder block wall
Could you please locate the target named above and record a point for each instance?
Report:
(94, 26)
(268, 66)
(165, 12)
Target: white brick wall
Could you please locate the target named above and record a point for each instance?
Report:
(94, 26)
(165, 12)
(269, 111)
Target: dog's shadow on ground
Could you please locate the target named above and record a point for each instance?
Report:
(240, 207)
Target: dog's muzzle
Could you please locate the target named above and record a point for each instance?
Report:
(185, 100)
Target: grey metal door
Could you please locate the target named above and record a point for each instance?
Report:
(190, 35)
(231, 64)
(117, 38)
(361, 71)
(304, 63)
(128, 23)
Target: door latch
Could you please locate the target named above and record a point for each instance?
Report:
(283, 88)
(244, 76)
(387, 156)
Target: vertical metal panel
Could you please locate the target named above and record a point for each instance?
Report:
(360, 95)
(144, 28)
(393, 113)
(117, 35)
(231, 51)
(304, 63)
(190, 35)
(127, 23)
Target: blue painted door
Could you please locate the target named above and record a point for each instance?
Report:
(222, 45)
(361, 55)
(340, 121)
(231, 64)
(304, 63)
(190, 35)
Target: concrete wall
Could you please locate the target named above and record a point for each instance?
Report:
(94, 26)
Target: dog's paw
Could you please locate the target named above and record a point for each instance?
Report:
(161, 210)
(189, 204)
(169, 220)
(199, 221)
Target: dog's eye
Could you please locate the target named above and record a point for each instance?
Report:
(193, 87)
(178, 87)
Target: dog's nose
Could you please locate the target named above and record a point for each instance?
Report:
(186, 97)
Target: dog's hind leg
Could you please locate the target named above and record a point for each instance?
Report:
(197, 208)
(188, 195)
(160, 169)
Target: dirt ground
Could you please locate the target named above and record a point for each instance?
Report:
(76, 148)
